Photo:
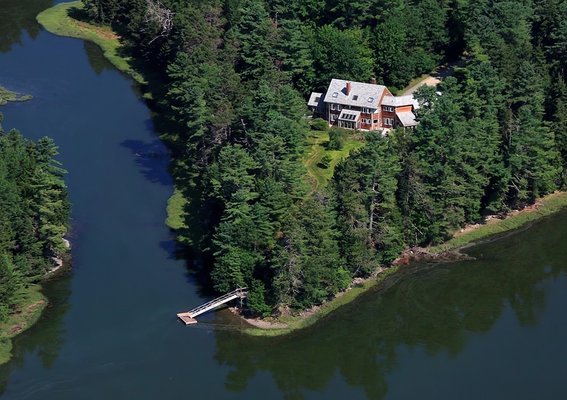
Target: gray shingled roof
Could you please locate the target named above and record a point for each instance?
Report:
(361, 94)
(315, 99)
(407, 118)
(398, 101)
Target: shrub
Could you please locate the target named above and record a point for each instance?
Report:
(337, 139)
(325, 161)
(319, 125)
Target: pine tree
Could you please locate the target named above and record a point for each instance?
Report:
(9, 285)
(368, 214)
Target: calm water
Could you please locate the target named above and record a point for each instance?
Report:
(494, 328)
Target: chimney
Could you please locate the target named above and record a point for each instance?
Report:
(373, 80)
(348, 88)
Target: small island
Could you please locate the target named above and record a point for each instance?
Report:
(7, 96)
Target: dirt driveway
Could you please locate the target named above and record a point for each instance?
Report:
(437, 76)
(429, 81)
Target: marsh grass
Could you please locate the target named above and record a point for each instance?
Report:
(30, 303)
(67, 19)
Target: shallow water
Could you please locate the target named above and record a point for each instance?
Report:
(493, 328)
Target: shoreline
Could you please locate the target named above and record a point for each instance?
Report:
(30, 306)
(29, 309)
(450, 251)
(57, 21)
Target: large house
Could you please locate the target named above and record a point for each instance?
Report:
(365, 106)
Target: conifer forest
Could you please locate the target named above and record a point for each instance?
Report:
(234, 77)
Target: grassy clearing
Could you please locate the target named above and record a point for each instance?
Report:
(58, 21)
(7, 95)
(317, 149)
(547, 206)
(294, 323)
(176, 211)
(30, 304)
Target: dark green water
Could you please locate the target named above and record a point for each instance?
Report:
(495, 328)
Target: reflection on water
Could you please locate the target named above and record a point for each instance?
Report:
(120, 338)
(435, 309)
(96, 58)
(45, 338)
(15, 18)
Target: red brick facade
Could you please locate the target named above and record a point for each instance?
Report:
(355, 105)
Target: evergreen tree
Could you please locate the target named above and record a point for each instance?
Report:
(9, 284)
(34, 213)
(368, 214)
(307, 264)
(342, 54)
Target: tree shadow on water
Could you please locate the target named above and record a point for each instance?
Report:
(196, 264)
(430, 310)
(17, 18)
(45, 338)
(152, 159)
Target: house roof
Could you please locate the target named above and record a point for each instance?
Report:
(315, 99)
(407, 118)
(398, 101)
(361, 94)
(349, 115)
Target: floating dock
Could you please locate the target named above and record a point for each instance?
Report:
(186, 318)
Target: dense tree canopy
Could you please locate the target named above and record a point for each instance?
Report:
(34, 213)
(235, 74)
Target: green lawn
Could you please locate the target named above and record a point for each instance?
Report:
(316, 149)
(176, 211)
(30, 304)
(58, 21)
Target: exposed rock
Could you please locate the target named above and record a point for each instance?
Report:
(420, 254)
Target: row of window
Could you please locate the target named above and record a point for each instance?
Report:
(368, 121)
(339, 107)
(348, 125)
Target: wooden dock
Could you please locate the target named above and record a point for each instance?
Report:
(186, 318)
(189, 317)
